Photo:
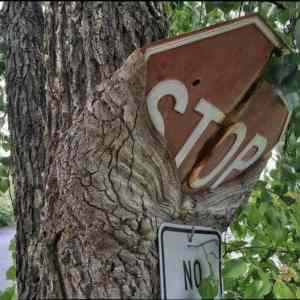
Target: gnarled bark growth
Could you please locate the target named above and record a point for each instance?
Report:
(117, 184)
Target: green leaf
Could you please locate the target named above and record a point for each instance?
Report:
(208, 288)
(263, 208)
(12, 245)
(8, 294)
(5, 160)
(238, 230)
(12, 249)
(258, 288)
(283, 15)
(235, 268)
(3, 171)
(282, 291)
(281, 68)
(297, 293)
(229, 283)
(4, 184)
(253, 215)
(291, 84)
(274, 219)
(11, 273)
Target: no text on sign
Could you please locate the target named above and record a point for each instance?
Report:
(187, 255)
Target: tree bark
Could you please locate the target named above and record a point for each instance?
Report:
(25, 84)
(95, 179)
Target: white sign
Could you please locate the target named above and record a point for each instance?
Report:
(187, 255)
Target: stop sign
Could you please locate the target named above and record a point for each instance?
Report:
(204, 96)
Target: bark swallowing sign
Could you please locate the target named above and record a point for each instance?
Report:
(205, 96)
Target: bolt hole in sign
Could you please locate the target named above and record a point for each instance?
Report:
(189, 256)
(205, 97)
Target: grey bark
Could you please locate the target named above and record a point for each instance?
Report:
(103, 179)
(25, 83)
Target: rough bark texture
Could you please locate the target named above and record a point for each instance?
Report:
(117, 184)
(108, 181)
(25, 82)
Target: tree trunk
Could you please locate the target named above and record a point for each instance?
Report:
(25, 84)
(93, 181)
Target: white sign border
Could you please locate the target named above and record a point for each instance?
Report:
(223, 28)
(187, 229)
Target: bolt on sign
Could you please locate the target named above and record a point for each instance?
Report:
(205, 95)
